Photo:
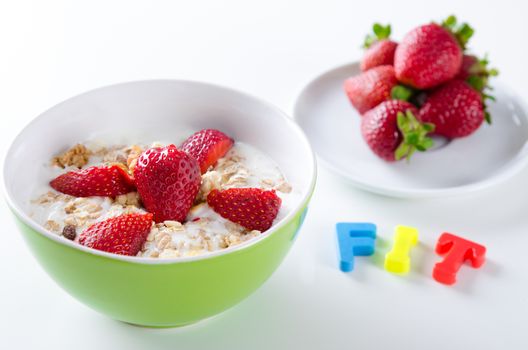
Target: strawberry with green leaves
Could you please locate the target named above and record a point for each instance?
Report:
(461, 31)
(469, 66)
(392, 131)
(379, 48)
(476, 73)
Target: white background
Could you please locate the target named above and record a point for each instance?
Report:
(53, 50)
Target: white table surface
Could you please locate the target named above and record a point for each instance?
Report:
(53, 50)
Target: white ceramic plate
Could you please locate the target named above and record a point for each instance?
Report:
(487, 157)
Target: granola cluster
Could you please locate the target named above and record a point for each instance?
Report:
(77, 156)
(125, 155)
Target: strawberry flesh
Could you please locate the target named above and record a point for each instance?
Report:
(107, 181)
(168, 181)
(253, 208)
(207, 146)
(124, 234)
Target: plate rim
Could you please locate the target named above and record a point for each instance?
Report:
(510, 169)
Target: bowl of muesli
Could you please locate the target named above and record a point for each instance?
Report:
(160, 203)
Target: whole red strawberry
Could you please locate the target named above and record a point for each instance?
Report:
(124, 234)
(475, 72)
(427, 56)
(379, 54)
(392, 131)
(370, 88)
(379, 48)
(207, 146)
(107, 181)
(469, 65)
(168, 181)
(253, 208)
(455, 108)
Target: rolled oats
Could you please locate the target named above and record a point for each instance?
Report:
(116, 154)
(284, 187)
(173, 225)
(128, 199)
(194, 252)
(154, 254)
(211, 180)
(267, 183)
(204, 231)
(51, 197)
(233, 239)
(169, 253)
(71, 221)
(134, 152)
(233, 227)
(238, 179)
(152, 234)
(164, 241)
(77, 156)
(52, 225)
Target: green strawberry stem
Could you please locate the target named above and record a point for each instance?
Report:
(402, 92)
(479, 75)
(487, 115)
(462, 31)
(379, 32)
(479, 72)
(414, 135)
(407, 93)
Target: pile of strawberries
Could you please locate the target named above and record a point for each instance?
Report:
(167, 180)
(426, 84)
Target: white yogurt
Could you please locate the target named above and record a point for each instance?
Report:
(252, 168)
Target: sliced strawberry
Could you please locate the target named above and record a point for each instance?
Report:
(168, 181)
(124, 234)
(207, 146)
(253, 208)
(107, 181)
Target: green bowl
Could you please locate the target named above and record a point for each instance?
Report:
(145, 291)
